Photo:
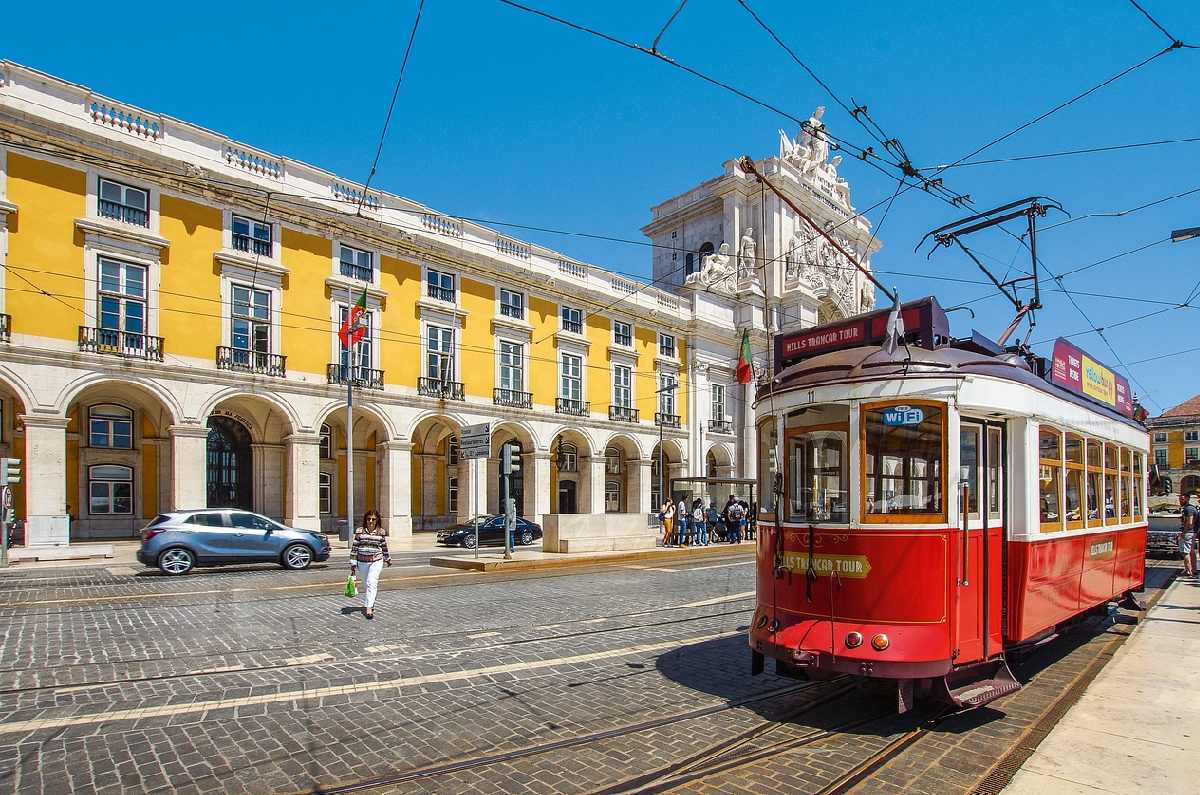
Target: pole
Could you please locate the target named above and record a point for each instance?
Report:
(474, 490)
(5, 502)
(347, 373)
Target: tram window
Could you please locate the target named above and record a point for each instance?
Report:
(1110, 483)
(1136, 484)
(1123, 484)
(1050, 479)
(1074, 481)
(768, 451)
(1095, 480)
(995, 472)
(968, 460)
(818, 477)
(903, 458)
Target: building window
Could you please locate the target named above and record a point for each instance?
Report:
(253, 237)
(439, 357)
(123, 203)
(362, 349)
(512, 366)
(623, 386)
(1191, 454)
(439, 285)
(572, 320)
(1160, 436)
(689, 264)
(567, 459)
(666, 394)
(572, 377)
(512, 304)
(356, 264)
(622, 334)
(612, 461)
(122, 299)
(326, 442)
(718, 401)
(612, 496)
(110, 426)
(452, 491)
(325, 492)
(110, 490)
(666, 345)
(1160, 458)
(250, 329)
(705, 251)
(1191, 436)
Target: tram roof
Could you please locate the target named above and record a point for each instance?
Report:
(950, 359)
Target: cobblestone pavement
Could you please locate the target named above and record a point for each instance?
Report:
(608, 679)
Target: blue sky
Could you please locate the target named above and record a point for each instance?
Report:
(509, 117)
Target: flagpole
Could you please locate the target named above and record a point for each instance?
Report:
(347, 373)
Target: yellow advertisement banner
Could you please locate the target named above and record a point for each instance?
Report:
(1098, 382)
(856, 567)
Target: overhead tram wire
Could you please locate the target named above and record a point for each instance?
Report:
(1174, 40)
(1122, 213)
(392, 105)
(1065, 153)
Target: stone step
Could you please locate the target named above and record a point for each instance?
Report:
(608, 543)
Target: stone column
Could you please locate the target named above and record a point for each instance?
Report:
(395, 487)
(45, 473)
(639, 485)
(303, 499)
(490, 472)
(592, 475)
(679, 470)
(189, 467)
(747, 460)
(537, 485)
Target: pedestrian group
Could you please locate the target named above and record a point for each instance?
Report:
(695, 525)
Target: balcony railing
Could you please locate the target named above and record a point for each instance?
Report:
(364, 273)
(513, 398)
(363, 377)
(5, 328)
(720, 426)
(578, 408)
(244, 361)
(439, 293)
(573, 326)
(623, 414)
(666, 420)
(442, 390)
(252, 245)
(117, 343)
(122, 212)
(508, 310)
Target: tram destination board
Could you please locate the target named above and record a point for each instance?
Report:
(1071, 368)
(924, 324)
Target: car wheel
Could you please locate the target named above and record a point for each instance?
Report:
(297, 557)
(175, 561)
(526, 537)
(468, 541)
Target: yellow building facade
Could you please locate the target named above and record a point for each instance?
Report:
(170, 310)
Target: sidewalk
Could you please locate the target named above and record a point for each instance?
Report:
(1134, 729)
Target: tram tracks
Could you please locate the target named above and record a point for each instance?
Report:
(411, 656)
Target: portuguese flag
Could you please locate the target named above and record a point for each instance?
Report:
(352, 329)
(745, 370)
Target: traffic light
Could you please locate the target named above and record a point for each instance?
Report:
(10, 471)
(510, 459)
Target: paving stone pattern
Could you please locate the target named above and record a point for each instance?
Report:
(598, 680)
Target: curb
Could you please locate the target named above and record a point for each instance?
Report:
(593, 559)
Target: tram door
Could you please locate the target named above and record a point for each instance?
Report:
(978, 541)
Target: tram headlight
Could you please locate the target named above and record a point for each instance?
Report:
(853, 640)
(880, 642)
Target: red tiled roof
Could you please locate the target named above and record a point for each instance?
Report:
(1185, 409)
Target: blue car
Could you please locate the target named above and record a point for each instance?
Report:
(179, 541)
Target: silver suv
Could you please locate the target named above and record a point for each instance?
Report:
(179, 541)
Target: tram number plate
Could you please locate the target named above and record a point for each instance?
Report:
(903, 415)
(853, 566)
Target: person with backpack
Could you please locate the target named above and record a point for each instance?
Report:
(734, 514)
(713, 517)
(683, 522)
(699, 525)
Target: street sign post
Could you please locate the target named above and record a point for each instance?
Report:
(475, 442)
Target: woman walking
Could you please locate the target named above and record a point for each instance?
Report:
(369, 551)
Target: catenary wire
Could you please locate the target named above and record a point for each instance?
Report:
(1120, 213)
(392, 105)
(1065, 153)
(1174, 41)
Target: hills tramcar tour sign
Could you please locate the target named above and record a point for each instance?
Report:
(924, 322)
(1073, 369)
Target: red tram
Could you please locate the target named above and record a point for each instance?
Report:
(930, 507)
